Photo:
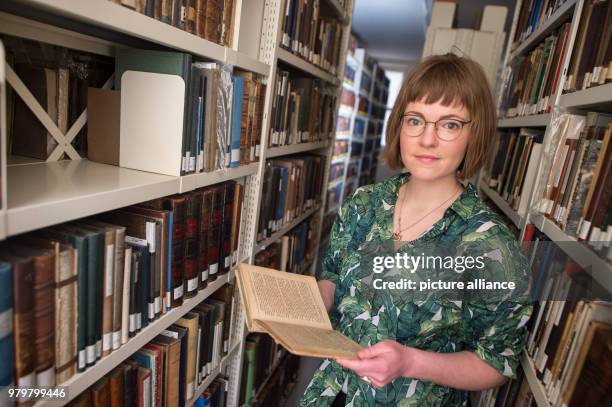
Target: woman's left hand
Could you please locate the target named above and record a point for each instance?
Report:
(381, 363)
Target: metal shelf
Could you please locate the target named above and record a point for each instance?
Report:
(305, 66)
(45, 194)
(534, 383)
(81, 381)
(259, 246)
(580, 252)
(107, 15)
(536, 120)
(193, 181)
(555, 20)
(514, 216)
(295, 148)
(597, 95)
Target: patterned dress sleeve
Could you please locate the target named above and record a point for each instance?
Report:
(495, 321)
(339, 238)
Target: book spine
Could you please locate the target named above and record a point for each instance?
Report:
(238, 88)
(205, 224)
(44, 319)
(6, 324)
(192, 235)
(24, 324)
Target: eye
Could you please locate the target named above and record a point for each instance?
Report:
(450, 125)
(413, 121)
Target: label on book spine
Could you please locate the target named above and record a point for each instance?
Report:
(192, 284)
(91, 354)
(178, 292)
(213, 268)
(132, 323)
(138, 321)
(151, 310)
(107, 341)
(6, 323)
(157, 303)
(108, 277)
(190, 389)
(116, 340)
(82, 359)
(204, 275)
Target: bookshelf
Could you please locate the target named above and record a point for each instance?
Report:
(594, 98)
(37, 194)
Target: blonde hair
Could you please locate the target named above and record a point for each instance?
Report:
(452, 80)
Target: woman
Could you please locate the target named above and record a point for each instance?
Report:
(424, 352)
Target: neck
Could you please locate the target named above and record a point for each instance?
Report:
(421, 193)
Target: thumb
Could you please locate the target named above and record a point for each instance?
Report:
(372, 351)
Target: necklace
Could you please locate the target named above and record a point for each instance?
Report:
(397, 235)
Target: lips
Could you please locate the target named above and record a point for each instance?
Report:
(426, 159)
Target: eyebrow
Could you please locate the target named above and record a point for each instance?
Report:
(446, 116)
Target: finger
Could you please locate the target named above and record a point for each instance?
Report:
(373, 351)
(351, 364)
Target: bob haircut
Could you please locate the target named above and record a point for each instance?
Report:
(452, 80)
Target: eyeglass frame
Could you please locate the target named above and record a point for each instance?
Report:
(463, 123)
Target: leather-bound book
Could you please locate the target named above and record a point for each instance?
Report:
(24, 329)
(207, 331)
(150, 357)
(236, 216)
(44, 311)
(225, 244)
(190, 322)
(180, 333)
(115, 379)
(205, 220)
(166, 11)
(193, 209)
(130, 383)
(143, 380)
(65, 297)
(100, 393)
(176, 204)
(214, 236)
(6, 321)
(226, 294)
(190, 15)
(172, 360)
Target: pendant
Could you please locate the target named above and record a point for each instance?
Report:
(395, 236)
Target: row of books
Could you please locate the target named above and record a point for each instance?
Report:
(341, 147)
(334, 194)
(533, 14)
(512, 171)
(292, 253)
(209, 19)
(167, 370)
(267, 371)
(80, 290)
(592, 54)
(310, 35)
(578, 188)
(336, 171)
(565, 326)
(533, 79)
(291, 186)
(223, 109)
(347, 98)
(302, 110)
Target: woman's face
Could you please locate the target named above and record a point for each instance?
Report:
(427, 157)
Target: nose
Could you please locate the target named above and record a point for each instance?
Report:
(429, 137)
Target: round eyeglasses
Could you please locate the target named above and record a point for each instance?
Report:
(446, 129)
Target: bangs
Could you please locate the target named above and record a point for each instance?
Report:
(444, 82)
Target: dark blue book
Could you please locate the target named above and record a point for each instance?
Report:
(180, 333)
(6, 318)
(142, 287)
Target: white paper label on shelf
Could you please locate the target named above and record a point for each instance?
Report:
(27, 380)
(213, 268)
(82, 359)
(151, 310)
(91, 354)
(178, 292)
(158, 301)
(116, 340)
(108, 273)
(107, 341)
(192, 284)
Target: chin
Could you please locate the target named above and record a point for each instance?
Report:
(428, 174)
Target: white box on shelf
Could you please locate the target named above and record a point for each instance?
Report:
(152, 107)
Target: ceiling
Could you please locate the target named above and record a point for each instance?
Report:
(393, 31)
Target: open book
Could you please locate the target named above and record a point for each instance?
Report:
(289, 308)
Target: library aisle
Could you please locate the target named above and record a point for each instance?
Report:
(171, 174)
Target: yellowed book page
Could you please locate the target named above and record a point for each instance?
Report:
(278, 296)
(309, 341)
